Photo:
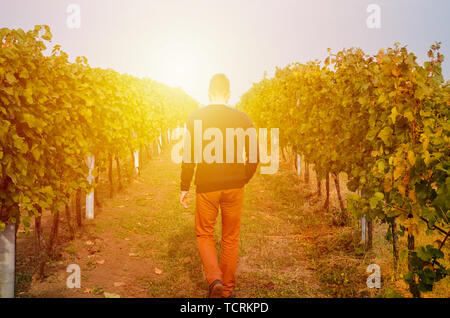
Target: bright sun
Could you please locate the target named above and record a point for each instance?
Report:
(182, 64)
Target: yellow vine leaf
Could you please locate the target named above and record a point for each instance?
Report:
(411, 157)
(401, 189)
(387, 185)
(412, 195)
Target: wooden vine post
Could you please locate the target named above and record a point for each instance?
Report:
(319, 185)
(90, 196)
(306, 171)
(110, 175)
(78, 207)
(338, 191)
(137, 169)
(326, 205)
(119, 173)
(7, 260)
(395, 252)
(366, 230)
(69, 221)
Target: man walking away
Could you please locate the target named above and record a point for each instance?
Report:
(219, 184)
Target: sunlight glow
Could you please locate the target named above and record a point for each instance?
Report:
(181, 63)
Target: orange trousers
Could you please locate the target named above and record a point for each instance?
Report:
(230, 202)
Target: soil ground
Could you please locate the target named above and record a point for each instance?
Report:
(142, 244)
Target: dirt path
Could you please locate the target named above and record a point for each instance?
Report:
(142, 243)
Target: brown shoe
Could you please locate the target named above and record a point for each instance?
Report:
(215, 289)
(232, 294)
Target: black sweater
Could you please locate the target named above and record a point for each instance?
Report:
(218, 176)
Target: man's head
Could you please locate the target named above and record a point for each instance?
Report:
(219, 89)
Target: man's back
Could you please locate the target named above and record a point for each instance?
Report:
(217, 176)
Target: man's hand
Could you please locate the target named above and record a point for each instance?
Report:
(184, 199)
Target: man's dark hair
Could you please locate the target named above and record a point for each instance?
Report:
(219, 85)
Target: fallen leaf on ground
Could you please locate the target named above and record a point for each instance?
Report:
(118, 284)
(132, 255)
(158, 271)
(93, 251)
(110, 295)
(88, 291)
(101, 262)
(187, 260)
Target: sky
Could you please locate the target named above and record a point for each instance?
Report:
(185, 42)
